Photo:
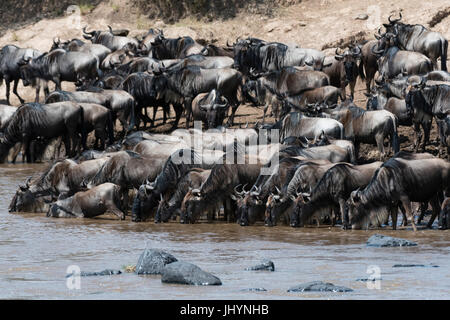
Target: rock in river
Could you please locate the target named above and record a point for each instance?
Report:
(187, 273)
(318, 286)
(153, 261)
(264, 265)
(378, 240)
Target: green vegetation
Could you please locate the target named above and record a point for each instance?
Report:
(86, 8)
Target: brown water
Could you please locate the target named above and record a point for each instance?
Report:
(35, 252)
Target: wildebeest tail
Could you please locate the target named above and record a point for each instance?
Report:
(132, 122)
(110, 127)
(361, 70)
(82, 128)
(395, 142)
(444, 49)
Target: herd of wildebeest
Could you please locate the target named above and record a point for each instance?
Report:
(316, 179)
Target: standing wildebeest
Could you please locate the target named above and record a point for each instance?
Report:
(32, 120)
(60, 65)
(109, 40)
(188, 82)
(270, 86)
(10, 58)
(177, 48)
(368, 65)
(444, 134)
(210, 108)
(120, 102)
(400, 181)
(344, 70)
(418, 38)
(444, 216)
(97, 50)
(393, 61)
(273, 56)
(90, 203)
(141, 86)
(98, 118)
(296, 124)
(204, 62)
(333, 190)
(368, 127)
(378, 100)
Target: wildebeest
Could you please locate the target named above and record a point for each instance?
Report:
(62, 177)
(210, 108)
(188, 82)
(175, 167)
(117, 58)
(10, 59)
(344, 70)
(333, 190)
(400, 181)
(60, 65)
(393, 61)
(444, 216)
(99, 119)
(296, 124)
(418, 38)
(141, 86)
(90, 203)
(120, 102)
(303, 179)
(97, 50)
(177, 48)
(32, 120)
(368, 126)
(378, 100)
(168, 207)
(326, 95)
(109, 40)
(273, 56)
(204, 62)
(368, 65)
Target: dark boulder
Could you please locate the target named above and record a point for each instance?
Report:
(263, 265)
(378, 240)
(187, 273)
(318, 286)
(153, 261)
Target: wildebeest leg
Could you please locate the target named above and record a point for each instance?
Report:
(125, 200)
(7, 83)
(407, 205)
(423, 208)
(426, 129)
(352, 89)
(188, 111)
(266, 106)
(393, 213)
(344, 213)
(403, 211)
(57, 82)
(417, 136)
(114, 209)
(16, 150)
(379, 138)
(436, 210)
(16, 82)
(178, 112)
(233, 111)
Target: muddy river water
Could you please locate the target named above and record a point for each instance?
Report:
(35, 252)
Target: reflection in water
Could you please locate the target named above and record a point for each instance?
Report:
(35, 252)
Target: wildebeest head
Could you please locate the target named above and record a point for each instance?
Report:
(275, 206)
(349, 60)
(241, 201)
(356, 212)
(60, 209)
(215, 106)
(296, 217)
(191, 206)
(144, 202)
(22, 199)
(392, 22)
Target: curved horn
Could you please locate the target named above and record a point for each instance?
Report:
(395, 20)
(338, 54)
(377, 52)
(110, 29)
(27, 183)
(91, 33)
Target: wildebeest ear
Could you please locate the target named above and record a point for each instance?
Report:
(232, 196)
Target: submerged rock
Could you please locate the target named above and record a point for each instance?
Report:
(264, 265)
(379, 240)
(153, 261)
(106, 272)
(414, 265)
(187, 273)
(318, 286)
(253, 290)
(367, 279)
